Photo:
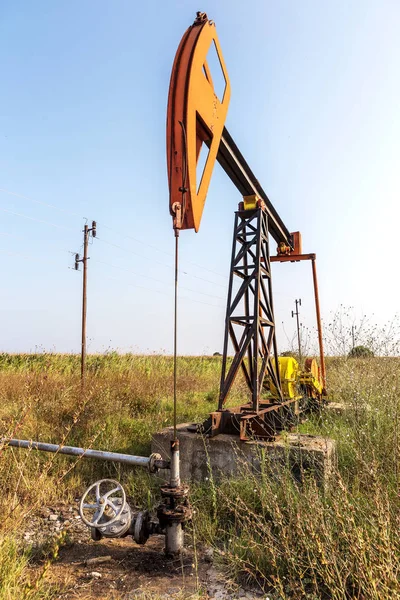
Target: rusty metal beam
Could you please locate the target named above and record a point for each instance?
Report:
(292, 257)
(235, 166)
(313, 257)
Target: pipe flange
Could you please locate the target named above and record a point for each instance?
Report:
(167, 515)
(153, 460)
(141, 530)
(153, 468)
(174, 492)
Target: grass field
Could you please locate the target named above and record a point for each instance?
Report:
(293, 542)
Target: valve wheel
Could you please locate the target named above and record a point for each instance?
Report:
(104, 507)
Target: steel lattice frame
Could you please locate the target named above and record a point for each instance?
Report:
(250, 308)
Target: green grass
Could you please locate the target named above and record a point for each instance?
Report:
(293, 542)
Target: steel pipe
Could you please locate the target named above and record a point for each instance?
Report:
(153, 462)
(175, 480)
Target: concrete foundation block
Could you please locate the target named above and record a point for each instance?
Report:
(226, 455)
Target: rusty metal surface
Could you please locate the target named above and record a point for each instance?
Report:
(319, 323)
(249, 322)
(195, 115)
(265, 423)
(312, 257)
(292, 257)
(196, 118)
(235, 166)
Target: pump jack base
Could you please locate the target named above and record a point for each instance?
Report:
(226, 456)
(266, 423)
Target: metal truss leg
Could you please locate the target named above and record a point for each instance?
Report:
(249, 320)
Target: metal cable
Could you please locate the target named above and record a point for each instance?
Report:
(175, 324)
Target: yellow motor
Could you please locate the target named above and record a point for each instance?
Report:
(295, 381)
(289, 371)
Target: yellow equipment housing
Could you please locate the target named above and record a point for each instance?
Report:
(289, 371)
(295, 381)
(251, 202)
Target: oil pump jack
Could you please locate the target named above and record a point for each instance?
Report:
(279, 388)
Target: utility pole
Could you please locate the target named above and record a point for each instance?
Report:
(86, 234)
(296, 312)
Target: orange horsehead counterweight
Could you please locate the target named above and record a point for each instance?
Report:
(195, 116)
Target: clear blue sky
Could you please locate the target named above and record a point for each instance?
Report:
(314, 109)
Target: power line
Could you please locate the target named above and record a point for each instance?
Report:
(155, 261)
(223, 285)
(11, 212)
(102, 262)
(131, 252)
(159, 291)
(130, 237)
(202, 293)
(108, 264)
(4, 191)
(185, 298)
(155, 279)
(126, 236)
(21, 237)
(28, 257)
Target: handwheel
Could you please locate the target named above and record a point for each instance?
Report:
(103, 504)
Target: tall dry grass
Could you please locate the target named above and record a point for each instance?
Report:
(126, 399)
(291, 541)
(302, 541)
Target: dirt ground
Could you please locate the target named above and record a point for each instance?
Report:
(127, 571)
(132, 570)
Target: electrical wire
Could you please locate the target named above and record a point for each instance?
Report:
(136, 285)
(21, 237)
(163, 252)
(35, 259)
(155, 279)
(125, 236)
(130, 237)
(159, 263)
(63, 210)
(11, 212)
(28, 257)
(112, 266)
(102, 262)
